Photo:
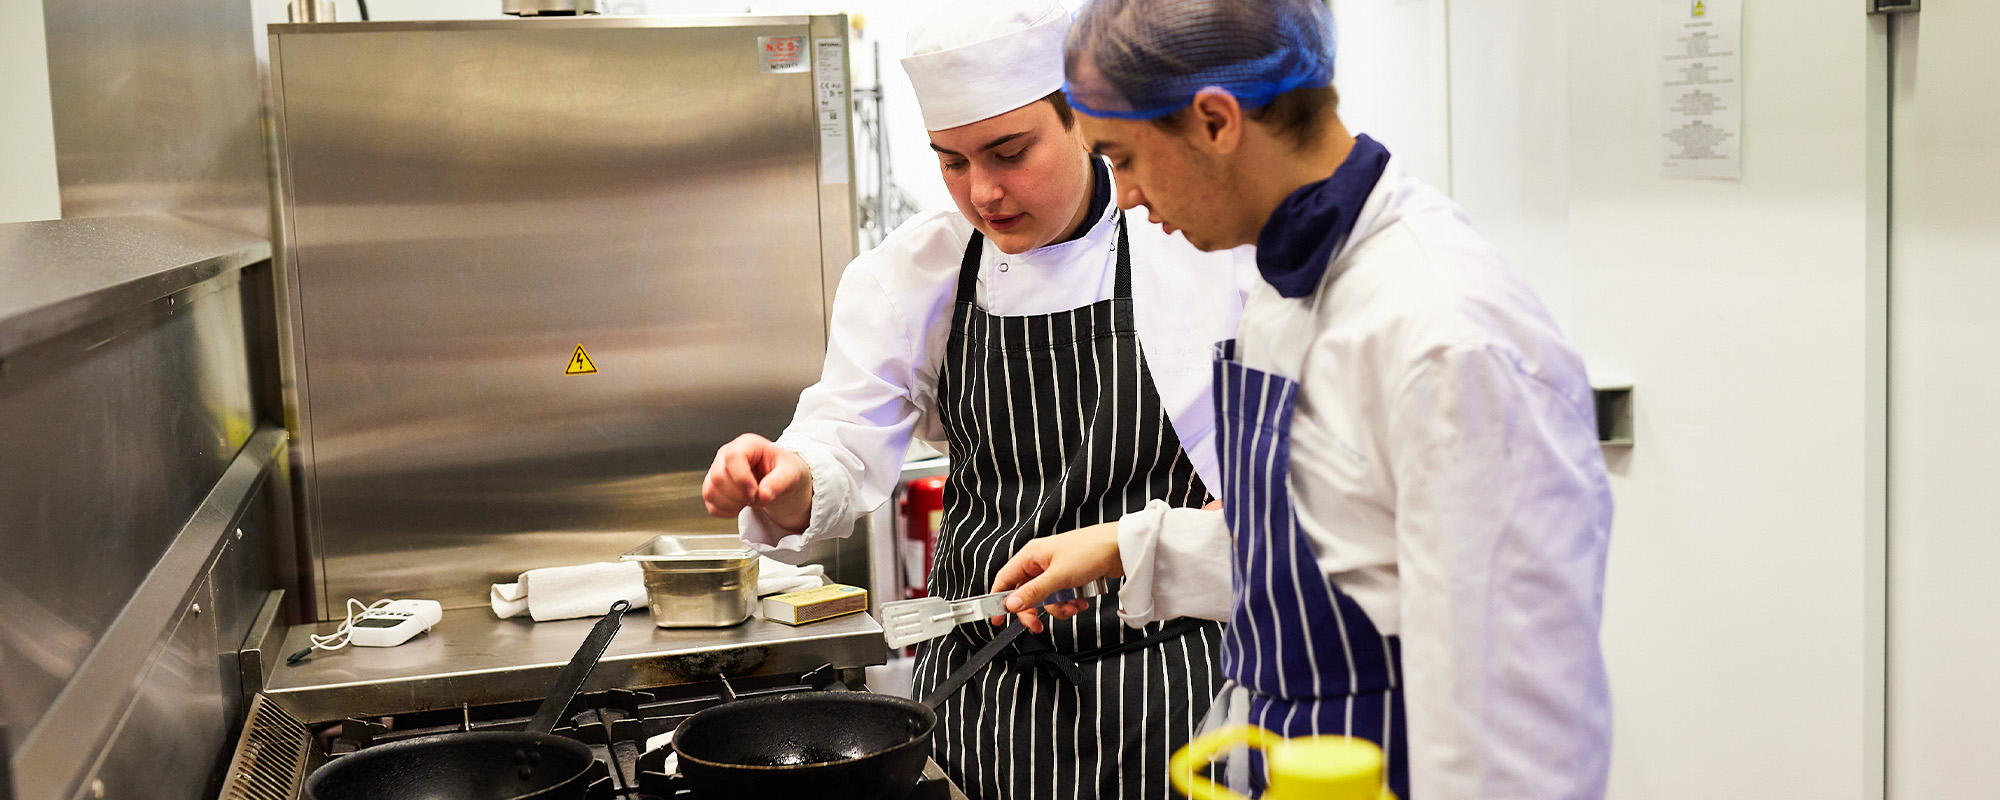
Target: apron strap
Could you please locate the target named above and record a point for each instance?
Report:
(978, 661)
(1123, 287)
(968, 266)
(1036, 654)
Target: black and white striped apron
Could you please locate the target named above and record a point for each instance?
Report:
(1312, 659)
(1054, 425)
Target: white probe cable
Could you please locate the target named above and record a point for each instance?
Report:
(342, 635)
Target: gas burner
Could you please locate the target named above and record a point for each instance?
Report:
(616, 724)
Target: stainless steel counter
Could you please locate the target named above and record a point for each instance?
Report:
(471, 657)
(59, 274)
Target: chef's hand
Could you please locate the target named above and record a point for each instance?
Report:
(751, 472)
(1054, 563)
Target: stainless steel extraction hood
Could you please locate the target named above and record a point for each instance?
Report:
(537, 270)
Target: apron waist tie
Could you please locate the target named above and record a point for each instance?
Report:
(978, 662)
(1034, 653)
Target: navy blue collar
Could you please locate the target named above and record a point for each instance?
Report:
(1100, 196)
(1297, 242)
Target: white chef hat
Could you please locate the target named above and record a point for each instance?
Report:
(972, 61)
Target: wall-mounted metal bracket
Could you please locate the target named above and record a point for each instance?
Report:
(1614, 415)
(323, 11)
(1893, 6)
(259, 654)
(6, 755)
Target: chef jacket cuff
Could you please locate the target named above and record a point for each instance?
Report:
(769, 539)
(1138, 540)
(1176, 564)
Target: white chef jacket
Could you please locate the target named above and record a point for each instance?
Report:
(892, 317)
(1445, 468)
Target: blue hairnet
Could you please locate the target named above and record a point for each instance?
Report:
(1144, 59)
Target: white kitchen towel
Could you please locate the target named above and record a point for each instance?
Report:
(586, 590)
(509, 600)
(774, 577)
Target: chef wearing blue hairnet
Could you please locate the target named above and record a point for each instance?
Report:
(1414, 500)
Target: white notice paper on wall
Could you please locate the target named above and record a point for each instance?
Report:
(1701, 88)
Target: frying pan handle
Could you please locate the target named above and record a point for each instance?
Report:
(571, 680)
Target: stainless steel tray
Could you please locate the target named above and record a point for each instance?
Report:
(697, 580)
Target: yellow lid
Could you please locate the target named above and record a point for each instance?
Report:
(1307, 768)
(1329, 767)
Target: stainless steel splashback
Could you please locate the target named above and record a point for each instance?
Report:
(157, 109)
(465, 204)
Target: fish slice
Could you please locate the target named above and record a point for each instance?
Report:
(907, 622)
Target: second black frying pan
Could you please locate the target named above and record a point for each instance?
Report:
(823, 745)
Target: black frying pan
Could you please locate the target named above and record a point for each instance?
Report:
(480, 765)
(823, 745)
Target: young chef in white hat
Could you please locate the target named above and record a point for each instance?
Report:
(1412, 488)
(1062, 356)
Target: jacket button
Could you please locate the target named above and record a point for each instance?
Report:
(1003, 266)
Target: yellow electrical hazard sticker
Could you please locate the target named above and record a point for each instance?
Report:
(1700, 10)
(580, 363)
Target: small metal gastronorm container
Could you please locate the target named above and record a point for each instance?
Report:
(698, 580)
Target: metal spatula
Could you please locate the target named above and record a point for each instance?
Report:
(907, 622)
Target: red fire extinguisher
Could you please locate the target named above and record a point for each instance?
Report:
(923, 516)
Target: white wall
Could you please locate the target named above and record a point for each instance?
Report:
(1390, 70)
(28, 186)
(1944, 339)
(1736, 620)
(1510, 148)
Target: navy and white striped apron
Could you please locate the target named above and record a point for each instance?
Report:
(1311, 659)
(1054, 425)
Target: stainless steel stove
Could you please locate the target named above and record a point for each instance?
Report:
(623, 728)
(476, 673)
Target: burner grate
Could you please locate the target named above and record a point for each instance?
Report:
(270, 758)
(616, 724)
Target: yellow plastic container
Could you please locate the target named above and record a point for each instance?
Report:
(1306, 768)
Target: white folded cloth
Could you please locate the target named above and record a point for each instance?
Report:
(775, 577)
(586, 590)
